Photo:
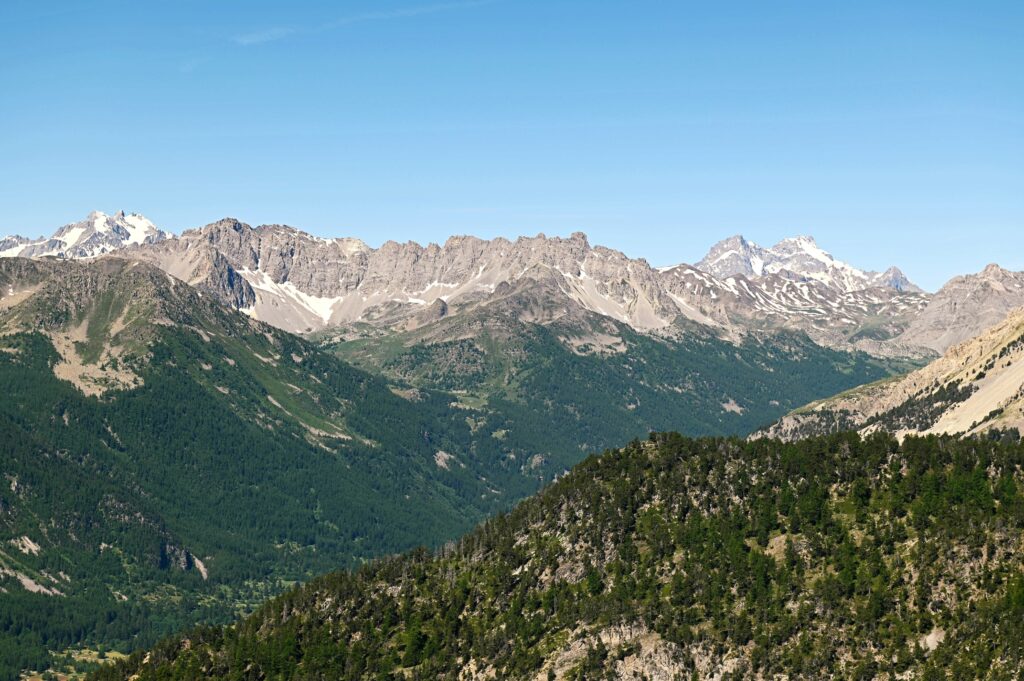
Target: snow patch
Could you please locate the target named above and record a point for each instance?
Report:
(322, 308)
(138, 228)
(72, 237)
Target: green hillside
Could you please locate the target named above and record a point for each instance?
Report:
(593, 383)
(181, 435)
(678, 558)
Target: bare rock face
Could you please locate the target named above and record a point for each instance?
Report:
(12, 245)
(199, 264)
(734, 256)
(228, 284)
(432, 313)
(964, 306)
(864, 319)
(303, 283)
(976, 385)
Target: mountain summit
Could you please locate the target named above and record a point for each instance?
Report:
(798, 258)
(97, 234)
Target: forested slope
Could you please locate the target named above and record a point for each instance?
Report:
(167, 461)
(585, 382)
(678, 558)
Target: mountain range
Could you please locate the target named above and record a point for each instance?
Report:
(304, 284)
(798, 258)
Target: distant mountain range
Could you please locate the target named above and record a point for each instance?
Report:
(305, 284)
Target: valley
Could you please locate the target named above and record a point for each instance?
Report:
(179, 455)
(493, 340)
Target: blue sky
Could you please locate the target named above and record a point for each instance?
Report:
(892, 131)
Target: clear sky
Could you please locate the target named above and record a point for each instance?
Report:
(891, 131)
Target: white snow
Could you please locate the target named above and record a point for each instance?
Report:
(434, 284)
(321, 307)
(100, 222)
(73, 236)
(138, 227)
(808, 246)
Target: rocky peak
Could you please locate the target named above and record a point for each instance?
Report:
(734, 256)
(796, 244)
(227, 224)
(966, 304)
(796, 258)
(993, 271)
(12, 242)
(894, 278)
(580, 238)
(352, 246)
(97, 234)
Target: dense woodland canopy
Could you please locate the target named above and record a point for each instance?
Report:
(837, 556)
